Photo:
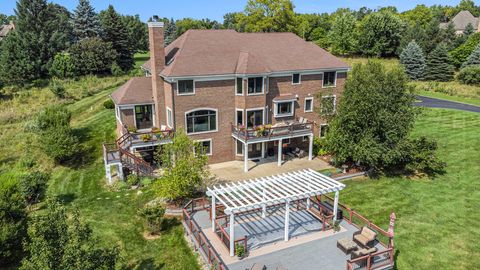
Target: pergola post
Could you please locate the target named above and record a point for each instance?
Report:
(213, 213)
(245, 156)
(280, 152)
(232, 234)
(310, 147)
(264, 206)
(335, 206)
(287, 219)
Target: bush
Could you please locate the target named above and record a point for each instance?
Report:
(153, 213)
(60, 144)
(132, 179)
(419, 156)
(116, 70)
(92, 56)
(62, 66)
(33, 186)
(108, 104)
(239, 250)
(145, 181)
(57, 89)
(469, 75)
(460, 54)
(319, 147)
(54, 116)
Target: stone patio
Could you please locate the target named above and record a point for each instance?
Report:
(233, 170)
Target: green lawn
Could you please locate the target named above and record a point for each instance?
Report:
(438, 225)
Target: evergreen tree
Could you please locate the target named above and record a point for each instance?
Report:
(85, 21)
(473, 59)
(448, 36)
(438, 65)
(413, 60)
(343, 34)
(415, 32)
(170, 32)
(16, 64)
(432, 33)
(469, 29)
(137, 32)
(115, 32)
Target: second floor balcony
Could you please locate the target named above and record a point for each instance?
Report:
(270, 132)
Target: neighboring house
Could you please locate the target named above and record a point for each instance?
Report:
(461, 20)
(237, 93)
(5, 29)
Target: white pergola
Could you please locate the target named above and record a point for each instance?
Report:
(262, 192)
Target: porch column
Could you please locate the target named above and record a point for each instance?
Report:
(213, 213)
(310, 147)
(232, 235)
(120, 171)
(108, 174)
(335, 205)
(245, 157)
(287, 219)
(280, 152)
(264, 207)
(263, 149)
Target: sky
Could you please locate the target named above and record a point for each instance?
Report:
(215, 9)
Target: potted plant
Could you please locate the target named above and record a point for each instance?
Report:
(146, 137)
(336, 226)
(259, 131)
(155, 130)
(239, 251)
(131, 129)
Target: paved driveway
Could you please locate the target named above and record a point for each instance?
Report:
(445, 104)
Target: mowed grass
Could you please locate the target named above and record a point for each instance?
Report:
(438, 225)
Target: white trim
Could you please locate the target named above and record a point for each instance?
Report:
(299, 78)
(170, 122)
(255, 109)
(118, 114)
(211, 145)
(236, 86)
(334, 81)
(305, 104)
(334, 102)
(286, 141)
(275, 107)
(186, 94)
(263, 86)
(135, 117)
(155, 24)
(236, 116)
(202, 132)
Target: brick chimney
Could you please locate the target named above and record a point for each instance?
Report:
(157, 58)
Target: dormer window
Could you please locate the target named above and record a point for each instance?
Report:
(296, 78)
(186, 87)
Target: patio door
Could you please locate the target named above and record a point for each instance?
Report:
(255, 150)
(254, 118)
(143, 116)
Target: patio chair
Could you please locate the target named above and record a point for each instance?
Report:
(362, 252)
(365, 237)
(258, 267)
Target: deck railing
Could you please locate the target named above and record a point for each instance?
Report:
(377, 260)
(109, 151)
(221, 223)
(200, 240)
(268, 131)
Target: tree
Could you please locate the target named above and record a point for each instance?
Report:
(170, 32)
(433, 36)
(469, 29)
(268, 16)
(448, 36)
(230, 20)
(33, 186)
(415, 32)
(470, 6)
(92, 56)
(137, 32)
(62, 66)
(460, 54)
(413, 60)
(86, 23)
(375, 115)
(473, 58)
(380, 34)
(421, 15)
(184, 163)
(16, 63)
(153, 212)
(438, 65)
(470, 75)
(54, 243)
(13, 221)
(115, 32)
(343, 36)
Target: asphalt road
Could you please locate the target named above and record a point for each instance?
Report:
(445, 104)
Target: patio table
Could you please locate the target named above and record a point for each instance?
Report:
(346, 245)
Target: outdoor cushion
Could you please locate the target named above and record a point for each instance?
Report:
(365, 236)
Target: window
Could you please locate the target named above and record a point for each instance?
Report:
(283, 109)
(329, 79)
(308, 104)
(296, 78)
(143, 116)
(239, 86)
(323, 130)
(239, 150)
(328, 104)
(206, 146)
(254, 118)
(201, 121)
(239, 117)
(169, 117)
(255, 85)
(186, 87)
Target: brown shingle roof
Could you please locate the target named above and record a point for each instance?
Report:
(137, 90)
(216, 52)
(462, 19)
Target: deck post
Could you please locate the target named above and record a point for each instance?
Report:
(310, 147)
(213, 210)
(120, 171)
(335, 206)
(279, 152)
(108, 173)
(263, 149)
(232, 235)
(287, 219)
(245, 157)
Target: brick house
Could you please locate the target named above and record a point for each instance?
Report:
(242, 95)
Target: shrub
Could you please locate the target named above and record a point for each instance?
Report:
(145, 181)
(419, 156)
(469, 75)
(153, 214)
(319, 147)
(54, 116)
(132, 179)
(33, 186)
(460, 54)
(121, 185)
(58, 89)
(92, 56)
(116, 70)
(108, 104)
(62, 66)
(473, 59)
(60, 144)
(239, 250)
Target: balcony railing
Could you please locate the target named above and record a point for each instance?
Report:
(152, 136)
(272, 131)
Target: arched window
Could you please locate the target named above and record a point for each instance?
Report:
(202, 120)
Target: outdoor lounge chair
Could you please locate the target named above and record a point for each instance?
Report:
(365, 237)
(363, 252)
(258, 267)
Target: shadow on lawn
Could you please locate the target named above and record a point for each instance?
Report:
(66, 198)
(87, 154)
(148, 264)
